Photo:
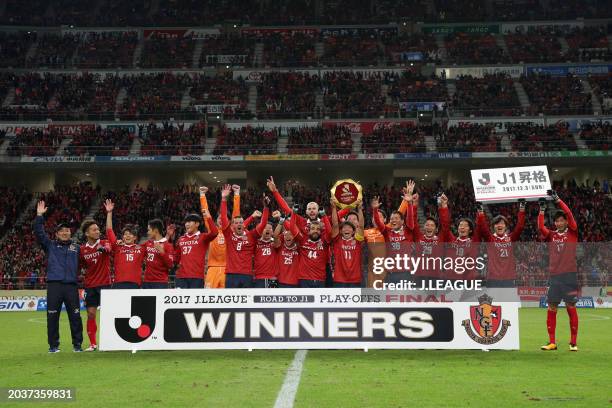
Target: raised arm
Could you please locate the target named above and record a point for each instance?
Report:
(203, 203)
(236, 206)
(109, 206)
(444, 215)
(520, 222)
(210, 226)
(334, 222)
(482, 224)
(225, 192)
(277, 196)
(359, 233)
(39, 226)
(377, 220)
(541, 227)
(251, 218)
(264, 216)
(407, 203)
(277, 232)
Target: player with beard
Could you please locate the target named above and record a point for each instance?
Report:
(501, 266)
(240, 244)
(429, 245)
(465, 245)
(313, 212)
(347, 246)
(313, 250)
(215, 272)
(563, 285)
(287, 262)
(398, 239)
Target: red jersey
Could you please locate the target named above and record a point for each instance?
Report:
(157, 265)
(265, 260)
(313, 255)
(457, 247)
(240, 249)
(429, 249)
(500, 251)
(190, 252)
(96, 263)
(347, 257)
(397, 241)
(561, 245)
(287, 264)
(128, 260)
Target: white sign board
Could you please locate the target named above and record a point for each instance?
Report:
(510, 184)
(299, 319)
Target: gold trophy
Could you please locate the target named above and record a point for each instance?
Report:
(346, 193)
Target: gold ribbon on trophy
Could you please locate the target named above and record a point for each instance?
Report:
(346, 193)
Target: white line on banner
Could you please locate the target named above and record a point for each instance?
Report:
(286, 395)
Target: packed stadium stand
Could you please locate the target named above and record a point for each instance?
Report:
(408, 85)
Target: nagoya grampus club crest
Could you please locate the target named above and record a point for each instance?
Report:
(485, 321)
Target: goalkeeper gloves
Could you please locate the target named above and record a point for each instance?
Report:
(542, 202)
(553, 195)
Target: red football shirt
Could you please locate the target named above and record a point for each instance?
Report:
(96, 263)
(128, 260)
(287, 262)
(347, 257)
(265, 260)
(240, 249)
(313, 255)
(430, 249)
(397, 241)
(561, 245)
(468, 247)
(190, 252)
(501, 263)
(157, 265)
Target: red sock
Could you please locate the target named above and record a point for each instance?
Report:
(92, 328)
(573, 321)
(551, 325)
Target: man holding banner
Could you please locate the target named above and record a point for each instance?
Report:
(501, 268)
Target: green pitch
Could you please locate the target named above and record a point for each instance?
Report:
(380, 378)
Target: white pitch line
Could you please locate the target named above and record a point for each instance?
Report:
(286, 395)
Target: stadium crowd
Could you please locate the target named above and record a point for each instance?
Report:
(175, 13)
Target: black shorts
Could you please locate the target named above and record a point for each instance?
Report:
(307, 283)
(238, 281)
(155, 285)
(265, 283)
(92, 295)
(126, 285)
(189, 283)
(563, 287)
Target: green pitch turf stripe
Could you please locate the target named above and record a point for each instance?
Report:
(286, 395)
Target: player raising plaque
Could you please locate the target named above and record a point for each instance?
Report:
(346, 193)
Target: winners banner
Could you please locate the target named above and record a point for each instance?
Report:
(510, 184)
(208, 319)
